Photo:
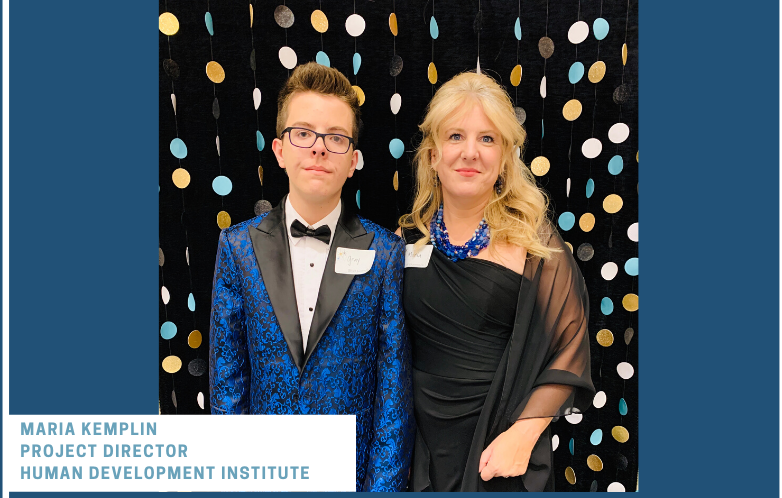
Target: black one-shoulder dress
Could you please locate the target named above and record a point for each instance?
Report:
(461, 317)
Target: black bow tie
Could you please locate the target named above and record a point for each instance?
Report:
(322, 233)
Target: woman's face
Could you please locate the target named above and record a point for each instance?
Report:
(472, 152)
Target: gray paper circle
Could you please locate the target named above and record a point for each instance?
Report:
(629, 333)
(396, 65)
(621, 94)
(521, 114)
(546, 47)
(262, 206)
(284, 16)
(593, 486)
(160, 258)
(585, 251)
(216, 108)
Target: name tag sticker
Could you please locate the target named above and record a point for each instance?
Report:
(353, 261)
(418, 259)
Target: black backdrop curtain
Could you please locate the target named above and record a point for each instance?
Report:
(189, 216)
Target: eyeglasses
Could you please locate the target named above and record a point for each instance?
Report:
(305, 138)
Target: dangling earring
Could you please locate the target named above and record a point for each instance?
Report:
(498, 185)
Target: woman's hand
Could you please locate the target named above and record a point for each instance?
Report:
(508, 455)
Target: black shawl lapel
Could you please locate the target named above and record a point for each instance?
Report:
(272, 251)
(349, 233)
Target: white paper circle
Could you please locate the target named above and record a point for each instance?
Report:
(543, 87)
(632, 232)
(554, 442)
(217, 143)
(567, 189)
(187, 255)
(256, 98)
(173, 102)
(396, 103)
(360, 163)
(517, 151)
(600, 399)
(625, 370)
(574, 418)
(578, 32)
(592, 148)
(165, 295)
(616, 487)
(618, 133)
(287, 57)
(609, 270)
(355, 25)
(200, 399)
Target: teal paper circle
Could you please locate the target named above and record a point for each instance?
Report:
(178, 148)
(397, 148)
(322, 59)
(631, 267)
(590, 188)
(517, 29)
(167, 330)
(222, 185)
(191, 302)
(622, 407)
(600, 28)
(576, 72)
(615, 165)
(434, 31)
(358, 198)
(209, 27)
(356, 62)
(259, 141)
(571, 446)
(607, 306)
(567, 220)
(596, 437)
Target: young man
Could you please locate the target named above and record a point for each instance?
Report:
(306, 302)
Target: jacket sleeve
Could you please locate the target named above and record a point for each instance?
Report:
(229, 368)
(394, 425)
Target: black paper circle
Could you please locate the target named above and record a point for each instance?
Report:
(262, 206)
(160, 258)
(396, 65)
(252, 60)
(621, 94)
(216, 108)
(621, 462)
(477, 24)
(521, 114)
(197, 367)
(284, 16)
(585, 251)
(171, 68)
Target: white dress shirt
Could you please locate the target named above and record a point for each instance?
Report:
(308, 260)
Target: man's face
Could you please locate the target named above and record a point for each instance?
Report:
(316, 175)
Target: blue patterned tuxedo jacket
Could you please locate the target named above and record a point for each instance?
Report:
(357, 359)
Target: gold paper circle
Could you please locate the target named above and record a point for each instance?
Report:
(359, 94)
(223, 219)
(396, 180)
(570, 475)
(597, 71)
(432, 73)
(624, 54)
(392, 24)
(569, 246)
(168, 23)
(181, 177)
(251, 15)
(620, 434)
(172, 364)
(594, 463)
(605, 338)
(515, 75)
(612, 203)
(630, 302)
(194, 339)
(260, 174)
(540, 166)
(587, 222)
(214, 72)
(572, 110)
(319, 21)
(636, 156)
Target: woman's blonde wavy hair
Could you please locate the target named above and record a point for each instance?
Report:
(518, 213)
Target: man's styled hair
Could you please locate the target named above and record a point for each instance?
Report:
(314, 77)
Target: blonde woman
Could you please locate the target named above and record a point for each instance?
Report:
(496, 307)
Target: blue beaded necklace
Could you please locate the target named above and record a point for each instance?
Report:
(439, 237)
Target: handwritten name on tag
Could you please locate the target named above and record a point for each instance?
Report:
(418, 259)
(353, 261)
